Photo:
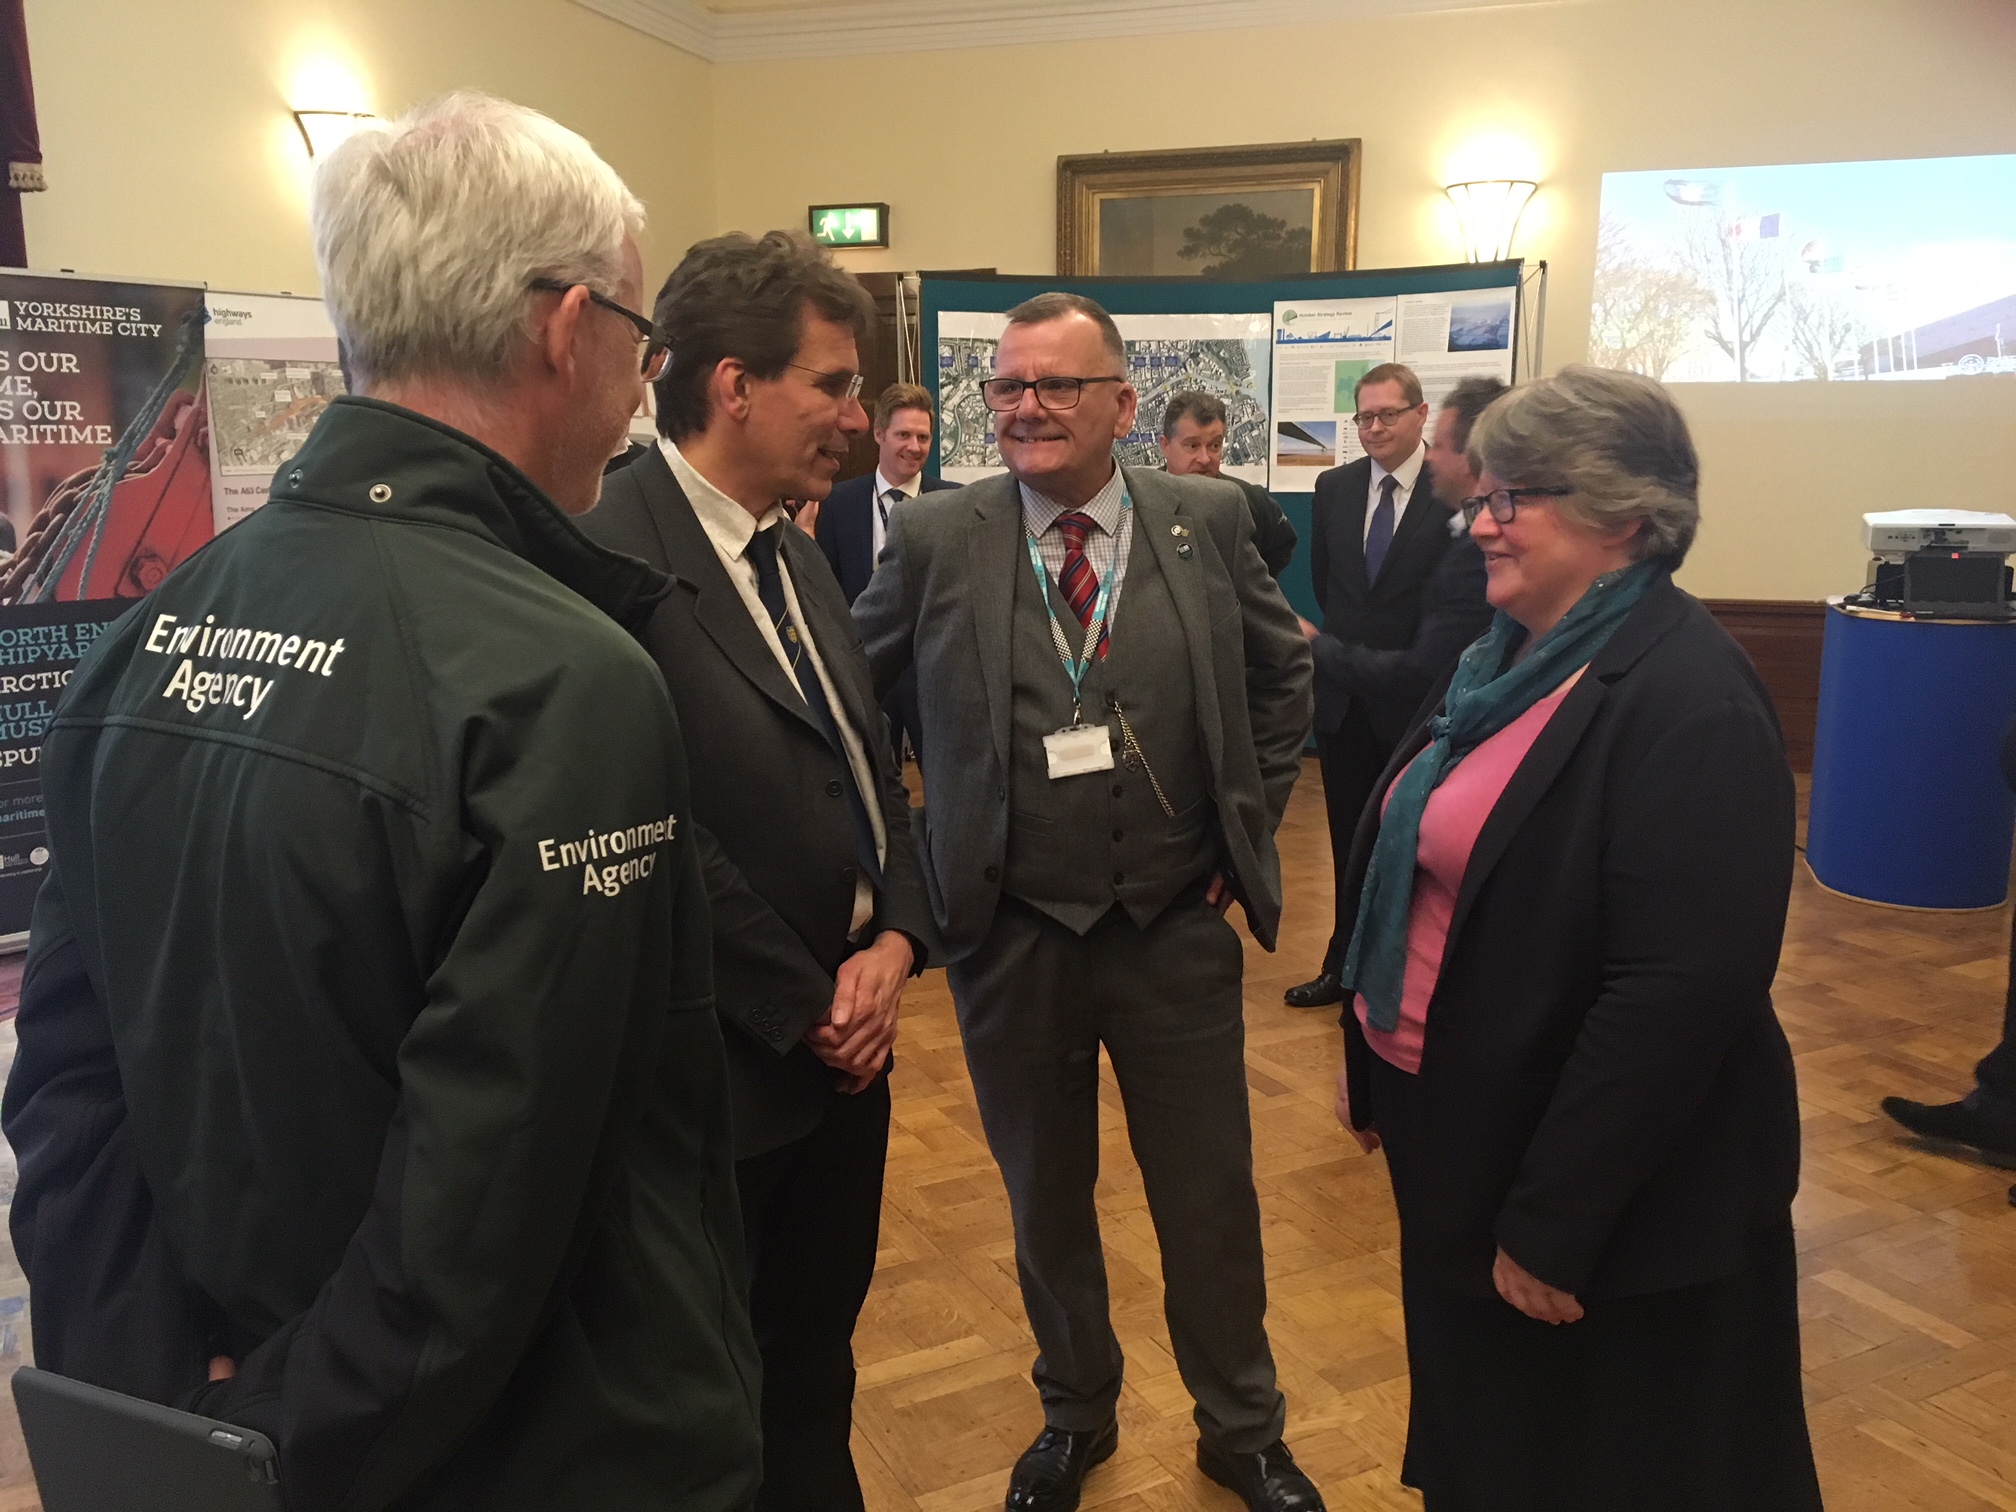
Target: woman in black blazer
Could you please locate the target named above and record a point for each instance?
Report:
(1585, 1097)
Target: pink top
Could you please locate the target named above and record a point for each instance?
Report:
(1450, 825)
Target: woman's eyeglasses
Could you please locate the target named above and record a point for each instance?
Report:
(1504, 502)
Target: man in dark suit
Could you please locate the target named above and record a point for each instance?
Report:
(802, 821)
(1119, 686)
(1376, 537)
(854, 521)
(1193, 445)
(1453, 607)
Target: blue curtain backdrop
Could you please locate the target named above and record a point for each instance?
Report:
(1191, 296)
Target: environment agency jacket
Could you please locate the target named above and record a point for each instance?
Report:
(367, 1032)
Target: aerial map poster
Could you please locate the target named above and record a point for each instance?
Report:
(273, 370)
(1223, 355)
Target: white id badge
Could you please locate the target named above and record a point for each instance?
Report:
(1079, 748)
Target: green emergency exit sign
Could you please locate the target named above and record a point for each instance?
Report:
(849, 225)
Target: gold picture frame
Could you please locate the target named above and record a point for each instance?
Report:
(1211, 212)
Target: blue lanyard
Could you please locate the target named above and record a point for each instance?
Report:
(1075, 668)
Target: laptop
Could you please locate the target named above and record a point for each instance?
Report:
(95, 1450)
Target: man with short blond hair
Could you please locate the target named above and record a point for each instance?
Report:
(854, 522)
(1119, 695)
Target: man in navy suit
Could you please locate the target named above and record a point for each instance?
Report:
(854, 522)
(1377, 536)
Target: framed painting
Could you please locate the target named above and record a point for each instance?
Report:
(1211, 212)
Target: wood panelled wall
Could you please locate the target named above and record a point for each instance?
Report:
(1783, 638)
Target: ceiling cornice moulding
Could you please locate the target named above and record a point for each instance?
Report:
(899, 26)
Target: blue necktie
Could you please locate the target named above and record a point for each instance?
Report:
(770, 589)
(1380, 536)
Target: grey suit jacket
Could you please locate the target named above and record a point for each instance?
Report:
(943, 599)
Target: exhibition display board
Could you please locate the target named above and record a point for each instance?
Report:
(129, 436)
(1284, 355)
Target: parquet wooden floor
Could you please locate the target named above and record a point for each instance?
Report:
(1908, 1257)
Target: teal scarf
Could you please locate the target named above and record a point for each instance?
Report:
(1484, 697)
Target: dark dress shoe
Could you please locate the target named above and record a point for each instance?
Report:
(1987, 1127)
(1051, 1471)
(1324, 990)
(1269, 1481)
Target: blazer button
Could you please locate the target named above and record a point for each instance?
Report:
(992, 874)
(1119, 791)
(833, 789)
(1119, 834)
(1118, 878)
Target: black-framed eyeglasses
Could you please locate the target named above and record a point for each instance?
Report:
(1387, 418)
(841, 385)
(657, 353)
(1504, 502)
(1004, 394)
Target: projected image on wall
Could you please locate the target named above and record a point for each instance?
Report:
(1881, 270)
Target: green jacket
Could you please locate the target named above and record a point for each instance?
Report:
(370, 831)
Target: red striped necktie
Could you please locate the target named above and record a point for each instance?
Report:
(1079, 582)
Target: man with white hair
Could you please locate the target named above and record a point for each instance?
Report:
(367, 1091)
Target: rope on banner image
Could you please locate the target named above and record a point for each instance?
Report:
(77, 507)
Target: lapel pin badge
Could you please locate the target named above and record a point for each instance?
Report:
(1179, 531)
(1183, 549)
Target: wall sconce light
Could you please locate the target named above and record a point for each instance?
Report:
(1490, 211)
(325, 130)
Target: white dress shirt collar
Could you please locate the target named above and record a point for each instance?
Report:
(1042, 511)
(1408, 472)
(728, 525)
(909, 490)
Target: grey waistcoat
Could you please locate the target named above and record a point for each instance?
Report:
(1078, 845)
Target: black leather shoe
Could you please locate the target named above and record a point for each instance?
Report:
(1051, 1471)
(1269, 1481)
(1973, 1122)
(1325, 989)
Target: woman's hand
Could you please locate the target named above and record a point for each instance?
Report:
(1531, 1295)
(1368, 1139)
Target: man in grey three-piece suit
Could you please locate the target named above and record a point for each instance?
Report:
(1088, 820)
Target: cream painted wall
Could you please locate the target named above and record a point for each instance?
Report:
(171, 152)
(172, 156)
(1560, 92)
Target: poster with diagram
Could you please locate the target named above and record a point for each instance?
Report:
(1323, 347)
